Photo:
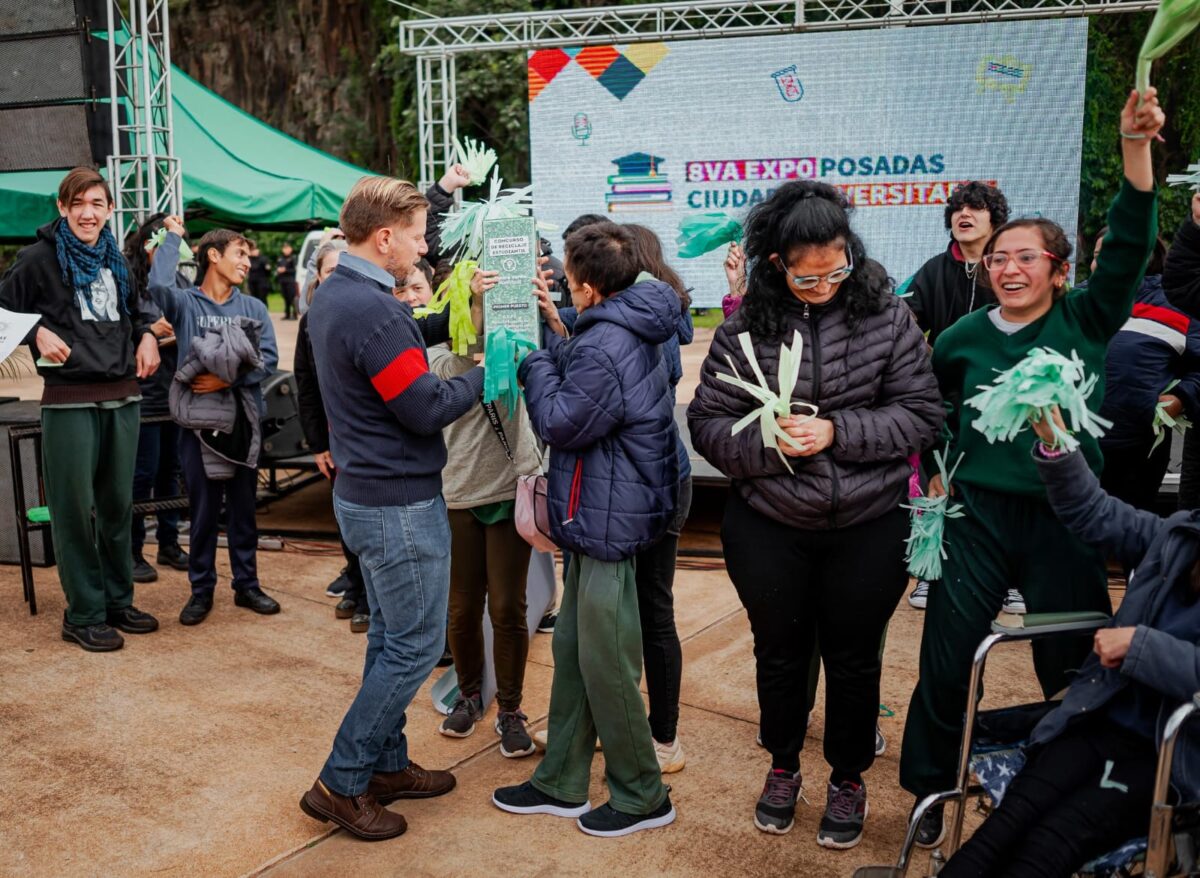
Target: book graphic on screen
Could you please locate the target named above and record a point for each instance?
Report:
(640, 184)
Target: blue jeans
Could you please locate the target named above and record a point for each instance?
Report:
(156, 475)
(405, 557)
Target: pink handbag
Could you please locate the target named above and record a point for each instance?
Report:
(532, 512)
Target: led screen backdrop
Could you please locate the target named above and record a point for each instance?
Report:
(896, 117)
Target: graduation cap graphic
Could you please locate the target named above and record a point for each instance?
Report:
(640, 164)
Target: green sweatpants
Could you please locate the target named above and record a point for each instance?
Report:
(88, 456)
(1004, 541)
(597, 669)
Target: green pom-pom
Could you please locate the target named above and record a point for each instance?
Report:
(1191, 178)
(502, 354)
(476, 158)
(455, 294)
(155, 241)
(462, 229)
(705, 232)
(1029, 390)
(927, 516)
(1173, 21)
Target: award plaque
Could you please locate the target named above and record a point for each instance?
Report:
(510, 247)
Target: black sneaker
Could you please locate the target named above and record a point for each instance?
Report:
(607, 822)
(546, 626)
(932, 828)
(143, 572)
(528, 799)
(131, 620)
(359, 623)
(257, 600)
(514, 738)
(93, 638)
(447, 658)
(776, 809)
(173, 556)
(338, 587)
(345, 608)
(463, 716)
(197, 609)
(845, 811)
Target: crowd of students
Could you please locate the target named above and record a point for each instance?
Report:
(424, 482)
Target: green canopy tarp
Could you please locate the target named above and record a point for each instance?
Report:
(237, 171)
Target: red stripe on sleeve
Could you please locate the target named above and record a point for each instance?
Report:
(1167, 316)
(396, 376)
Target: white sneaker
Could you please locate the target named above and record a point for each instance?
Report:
(670, 756)
(880, 741)
(1014, 603)
(919, 596)
(542, 735)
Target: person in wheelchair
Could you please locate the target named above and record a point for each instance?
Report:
(1088, 778)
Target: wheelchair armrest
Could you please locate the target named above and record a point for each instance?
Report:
(1041, 624)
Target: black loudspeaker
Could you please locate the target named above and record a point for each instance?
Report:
(54, 86)
(41, 547)
(282, 436)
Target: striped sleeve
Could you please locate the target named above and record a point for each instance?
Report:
(394, 360)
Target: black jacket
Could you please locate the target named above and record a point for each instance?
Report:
(941, 292)
(441, 203)
(312, 408)
(1181, 273)
(102, 351)
(156, 389)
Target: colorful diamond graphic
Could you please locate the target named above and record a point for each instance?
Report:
(548, 63)
(621, 77)
(536, 84)
(645, 56)
(596, 59)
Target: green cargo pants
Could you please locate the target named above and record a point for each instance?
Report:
(597, 669)
(1004, 541)
(88, 455)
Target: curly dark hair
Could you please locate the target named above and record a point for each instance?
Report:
(979, 196)
(798, 216)
(135, 252)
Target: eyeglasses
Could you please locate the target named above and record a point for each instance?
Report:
(1024, 258)
(808, 281)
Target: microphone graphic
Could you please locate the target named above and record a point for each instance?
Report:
(581, 129)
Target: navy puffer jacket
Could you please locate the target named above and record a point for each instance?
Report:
(602, 402)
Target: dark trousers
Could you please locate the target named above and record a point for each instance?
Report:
(1066, 806)
(241, 528)
(357, 591)
(654, 569)
(1134, 474)
(1189, 471)
(1004, 541)
(488, 562)
(838, 586)
(260, 291)
(290, 290)
(156, 475)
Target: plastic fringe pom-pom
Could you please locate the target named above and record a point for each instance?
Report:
(772, 405)
(1191, 178)
(156, 240)
(927, 516)
(462, 229)
(1164, 421)
(702, 233)
(476, 158)
(1173, 21)
(1028, 391)
(455, 294)
(503, 352)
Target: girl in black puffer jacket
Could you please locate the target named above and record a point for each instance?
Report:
(818, 551)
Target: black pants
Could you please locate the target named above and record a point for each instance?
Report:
(840, 586)
(290, 290)
(661, 652)
(241, 526)
(1066, 806)
(1134, 474)
(357, 591)
(1189, 475)
(156, 475)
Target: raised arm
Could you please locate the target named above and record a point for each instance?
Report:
(163, 273)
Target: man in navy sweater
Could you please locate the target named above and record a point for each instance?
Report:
(385, 433)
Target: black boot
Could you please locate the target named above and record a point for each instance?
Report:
(143, 572)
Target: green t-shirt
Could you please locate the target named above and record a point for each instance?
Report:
(969, 354)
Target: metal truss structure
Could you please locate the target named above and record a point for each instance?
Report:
(143, 172)
(436, 41)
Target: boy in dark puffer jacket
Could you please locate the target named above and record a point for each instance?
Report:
(601, 401)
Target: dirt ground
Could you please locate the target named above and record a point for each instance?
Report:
(185, 753)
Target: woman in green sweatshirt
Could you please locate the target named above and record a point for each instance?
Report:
(1009, 537)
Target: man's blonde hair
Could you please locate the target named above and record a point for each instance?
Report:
(376, 202)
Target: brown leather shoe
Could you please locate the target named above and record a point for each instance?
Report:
(360, 815)
(412, 783)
